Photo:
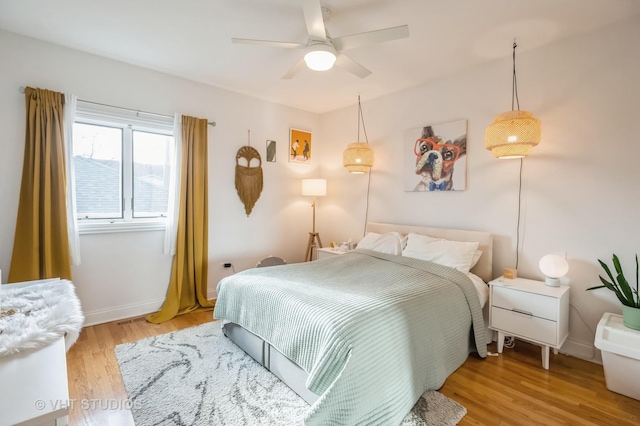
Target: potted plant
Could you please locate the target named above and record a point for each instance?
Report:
(624, 292)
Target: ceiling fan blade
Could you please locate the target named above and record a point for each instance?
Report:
(268, 43)
(343, 61)
(313, 18)
(363, 39)
(294, 70)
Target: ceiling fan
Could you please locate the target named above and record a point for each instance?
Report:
(322, 51)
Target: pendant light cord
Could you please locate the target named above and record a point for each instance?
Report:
(366, 211)
(515, 101)
(366, 138)
(361, 118)
(519, 208)
(514, 89)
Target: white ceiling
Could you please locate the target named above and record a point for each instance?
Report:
(191, 38)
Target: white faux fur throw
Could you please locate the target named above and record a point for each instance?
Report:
(44, 312)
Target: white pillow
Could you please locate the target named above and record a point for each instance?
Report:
(390, 243)
(476, 257)
(455, 254)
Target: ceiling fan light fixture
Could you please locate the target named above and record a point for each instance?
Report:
(320, 57)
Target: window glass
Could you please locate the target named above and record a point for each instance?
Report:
(97, 160)
(152, 160)
(123, 165)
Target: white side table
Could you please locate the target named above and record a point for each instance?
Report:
(33, 383)
(323, 253)
(34, 387)
(529, 310)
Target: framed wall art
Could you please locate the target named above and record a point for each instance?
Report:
(435, 157)
(271, 151)
(299, 146)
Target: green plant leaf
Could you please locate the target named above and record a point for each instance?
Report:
(619, 285)
(607, 284)
(626, 289)
(637, 298)
(613, 282)
(622, 283)
(616, 264)
(606, 269)
(596, 287)
(614, 289)
(637, 284)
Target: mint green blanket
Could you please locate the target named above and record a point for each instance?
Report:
(374, 331)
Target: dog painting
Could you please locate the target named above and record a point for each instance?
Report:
(435, 157)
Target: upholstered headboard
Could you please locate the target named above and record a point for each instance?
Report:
(483, 268)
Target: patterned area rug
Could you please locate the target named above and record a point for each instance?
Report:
(197, 376)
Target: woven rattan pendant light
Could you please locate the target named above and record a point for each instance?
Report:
(358, 157)
(512, 134)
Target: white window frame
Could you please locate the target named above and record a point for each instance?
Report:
(129, 121)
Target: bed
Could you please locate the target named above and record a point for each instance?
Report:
(362, 335)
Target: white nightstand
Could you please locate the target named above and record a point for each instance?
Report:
(34, 386)
(530, 310)
(323, 253)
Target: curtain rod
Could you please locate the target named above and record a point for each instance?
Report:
(21, 89)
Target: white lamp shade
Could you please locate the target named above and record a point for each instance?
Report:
(314, 187)
(553, 267)
(320, 57)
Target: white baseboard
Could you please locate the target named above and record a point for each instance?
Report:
(571, 347)
(581, 350)
(120, 312)
(102, 316)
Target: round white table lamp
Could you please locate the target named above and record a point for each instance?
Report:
(553, 267)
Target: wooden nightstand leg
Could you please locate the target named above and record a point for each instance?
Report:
(545, 357)
(500, 342)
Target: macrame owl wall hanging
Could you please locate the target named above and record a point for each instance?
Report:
(249, 177)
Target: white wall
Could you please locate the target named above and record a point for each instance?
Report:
(580, 192)
(581, 184)
(126, 274)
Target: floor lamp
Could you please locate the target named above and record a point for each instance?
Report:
(313, 188)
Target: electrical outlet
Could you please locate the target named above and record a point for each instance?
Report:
(225, 265)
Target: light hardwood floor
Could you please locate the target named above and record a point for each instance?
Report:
(512, 389)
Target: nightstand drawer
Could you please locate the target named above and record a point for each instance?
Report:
(536, 304)
(527, 326)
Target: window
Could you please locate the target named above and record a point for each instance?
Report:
(122, 165)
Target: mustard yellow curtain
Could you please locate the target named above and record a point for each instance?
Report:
(41, 243)
(187, 290)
